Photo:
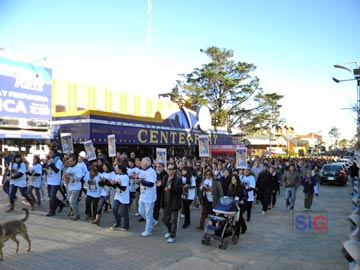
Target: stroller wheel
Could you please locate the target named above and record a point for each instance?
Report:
(207, 240)
(223, 245)
(235, 239)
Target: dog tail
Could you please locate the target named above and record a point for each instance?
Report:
(26, 214)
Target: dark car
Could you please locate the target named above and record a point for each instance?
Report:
(333, 173)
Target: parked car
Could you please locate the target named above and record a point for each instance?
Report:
(333, 173)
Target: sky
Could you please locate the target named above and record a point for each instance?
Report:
(293, 44)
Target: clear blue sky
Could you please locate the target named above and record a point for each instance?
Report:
(294, 45)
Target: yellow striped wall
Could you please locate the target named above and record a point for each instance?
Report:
(79, 96)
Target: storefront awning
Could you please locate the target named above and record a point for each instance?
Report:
(25, 134)
(223, 149)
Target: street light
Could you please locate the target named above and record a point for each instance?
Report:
(356, 72)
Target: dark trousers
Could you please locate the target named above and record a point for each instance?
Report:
(54, 201)
(6, 187)
(186, 207)
(37, 192)
(156, 213)
(23, 191)
(265, 200)
(241, 225)
(273, 198)
(124, 213)
(308, 198)
(91, 203)
(206, 209)
(170, 219)
(248, 209)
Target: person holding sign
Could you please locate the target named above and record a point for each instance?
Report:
(121, 198)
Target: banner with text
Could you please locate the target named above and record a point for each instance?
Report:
(25, 90)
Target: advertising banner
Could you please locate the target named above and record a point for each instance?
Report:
(25, 90)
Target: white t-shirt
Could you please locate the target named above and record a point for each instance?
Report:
(130, 172)
(249, 182)
(83, 168)
(148, 194)
(122, 196)
(208, 194)
(75, 177)
(108, 176)
(19, 182)
(93, 189)
(54, 178)
(191, 192)
(35, 181)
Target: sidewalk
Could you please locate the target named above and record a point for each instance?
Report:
(269, 243)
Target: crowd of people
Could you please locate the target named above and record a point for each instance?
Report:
(149, 186)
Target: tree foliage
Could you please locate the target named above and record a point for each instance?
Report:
(233, 96)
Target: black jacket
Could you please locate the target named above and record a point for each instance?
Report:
(172, 198)
(265, 182)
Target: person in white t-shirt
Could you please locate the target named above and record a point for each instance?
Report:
(73, 177)
(147, 179)
(188, 195)
(35, 175)
(250, 183)
(121, 198)
(17, 179)
(93, 193)
(106, 176)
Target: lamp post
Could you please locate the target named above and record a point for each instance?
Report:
(356, 73)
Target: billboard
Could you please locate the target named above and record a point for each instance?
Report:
(25, 90)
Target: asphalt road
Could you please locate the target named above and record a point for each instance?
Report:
(271, 241)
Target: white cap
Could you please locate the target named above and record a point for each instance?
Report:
(83, 154)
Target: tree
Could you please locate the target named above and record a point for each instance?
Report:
(335, 133)
(233, 96)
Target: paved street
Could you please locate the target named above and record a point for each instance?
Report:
(269, 243)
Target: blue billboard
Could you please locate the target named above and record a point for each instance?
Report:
(25, 90)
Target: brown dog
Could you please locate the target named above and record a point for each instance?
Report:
(10, 229)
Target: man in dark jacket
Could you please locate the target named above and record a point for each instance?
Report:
(354, 173)
(265, 187)
(171, 202)
(161, 179)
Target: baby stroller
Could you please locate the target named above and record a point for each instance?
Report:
(223, 223)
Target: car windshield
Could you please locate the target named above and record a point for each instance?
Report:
(328, 168)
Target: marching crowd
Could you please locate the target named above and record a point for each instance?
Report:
(149, 186)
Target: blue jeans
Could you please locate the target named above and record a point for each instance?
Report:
(124, 213)
(54, 201)
(23, 191)
(146, 210)
(290, 197)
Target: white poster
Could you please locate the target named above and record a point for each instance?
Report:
(204, 146)
(161, 155)
(111, 145)
(67, 143)
(90, 150)
(241, 157)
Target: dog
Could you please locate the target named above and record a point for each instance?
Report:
(10, 229)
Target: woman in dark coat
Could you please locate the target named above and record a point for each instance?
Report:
(238, 192)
